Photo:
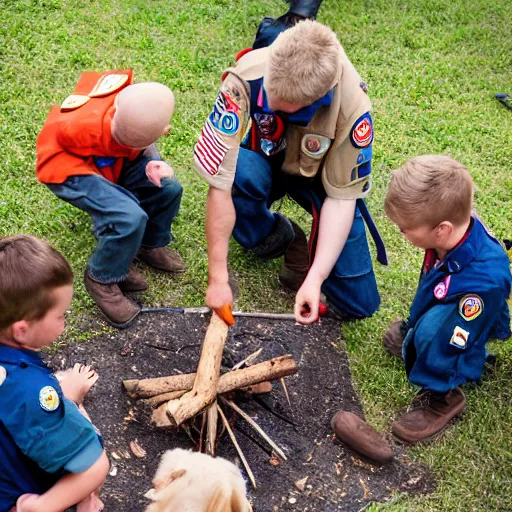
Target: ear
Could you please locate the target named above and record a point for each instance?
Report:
(162, 483)
(167, 130)
(20, 331)
(444, 230)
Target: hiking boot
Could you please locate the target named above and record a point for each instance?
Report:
(119, 310)
(296, 261)
(431, 414)
(133, 282)
(394, 337)
(161, 258)
(361, 437)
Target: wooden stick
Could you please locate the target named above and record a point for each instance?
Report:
(208, 373)
(164, 397)
(285, 389)
(151, 387)
(268, 370)
(256, 427)
(248, 360)
(211, 430)
(237, 446)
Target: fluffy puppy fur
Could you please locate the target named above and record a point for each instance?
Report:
(189, 481)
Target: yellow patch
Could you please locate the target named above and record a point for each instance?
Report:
(108, 84)
(73, 102)
(49, 399)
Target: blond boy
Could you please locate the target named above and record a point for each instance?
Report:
(461, 300)
(50, 454)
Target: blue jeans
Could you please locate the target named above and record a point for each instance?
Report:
(351, 286)
(125, 216)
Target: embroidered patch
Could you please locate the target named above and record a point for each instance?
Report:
(225, 114)
(3, 375)
(441, 289)
(459, 337)
(362, 132)
(210, 150)
(315, 146)
(49, 399)
(470, 307)
(108, 84)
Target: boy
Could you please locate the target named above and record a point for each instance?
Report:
(461, 301)
(310, 136)
(50, 455)
(97, 152)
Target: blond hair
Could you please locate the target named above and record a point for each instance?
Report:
(303, 64)
(30, 271)
(429, 189)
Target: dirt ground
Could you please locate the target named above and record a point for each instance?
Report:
(166, 344)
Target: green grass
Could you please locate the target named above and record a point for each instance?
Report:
(433, 68)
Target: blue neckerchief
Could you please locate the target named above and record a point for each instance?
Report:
(303, 116)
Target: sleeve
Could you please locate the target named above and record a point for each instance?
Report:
(347, 173)
(448, 343)
(216, 151)
(48, 428)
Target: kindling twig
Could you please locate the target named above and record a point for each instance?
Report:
(248, 360)
(237, 446)
(256, 427)
(211, 430)
(285, 389)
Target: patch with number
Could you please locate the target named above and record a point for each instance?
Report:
(441, 289)
(459, 337)
(361, 135)
(470, 307)
(315, 146)
(225, 115)
(108, 84)
(210, 150)
(49, 399)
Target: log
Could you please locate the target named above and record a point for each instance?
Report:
(204, 391)
(146, 388)
(267, 370)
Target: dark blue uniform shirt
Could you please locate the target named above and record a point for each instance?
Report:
(43, 435)
(460, 304)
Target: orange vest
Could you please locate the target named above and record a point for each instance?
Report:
(73, 135)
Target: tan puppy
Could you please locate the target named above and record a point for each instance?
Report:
(189, 481)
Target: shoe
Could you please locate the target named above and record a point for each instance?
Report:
(133, 282)
(361, 437)
(296, 261)
(119, 310)
(393, 339)
(431, 414)
(505, 99)
(161, 258)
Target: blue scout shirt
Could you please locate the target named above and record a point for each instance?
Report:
(461, 303)
(42, 433)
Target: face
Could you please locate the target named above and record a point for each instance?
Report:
(424, 237)
(36, 334)
(277, 105)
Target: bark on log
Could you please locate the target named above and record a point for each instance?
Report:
(204, 390)
(146, 388)
(267, 370)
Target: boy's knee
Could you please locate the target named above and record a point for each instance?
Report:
(134, 220)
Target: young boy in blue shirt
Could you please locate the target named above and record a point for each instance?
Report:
(50, 454)
(461, 300)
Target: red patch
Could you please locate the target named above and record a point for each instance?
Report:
(363, 133)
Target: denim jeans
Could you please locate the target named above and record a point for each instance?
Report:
(351, 286)
(125, 216)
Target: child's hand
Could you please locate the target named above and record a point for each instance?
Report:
(156, 170)
(28, 503)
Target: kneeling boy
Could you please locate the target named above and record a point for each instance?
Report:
(50, 454)
(461, 301)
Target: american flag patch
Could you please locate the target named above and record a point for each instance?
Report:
(210, 149)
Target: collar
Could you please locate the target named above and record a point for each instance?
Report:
(20, 355)
(302, 116)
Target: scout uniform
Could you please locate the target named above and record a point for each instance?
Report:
(42, 434)
(323, 150)
(461, 303)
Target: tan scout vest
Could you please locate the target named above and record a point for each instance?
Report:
(333, 121)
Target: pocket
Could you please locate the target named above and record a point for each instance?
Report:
(313, 149)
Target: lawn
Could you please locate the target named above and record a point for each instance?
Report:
(433, 68)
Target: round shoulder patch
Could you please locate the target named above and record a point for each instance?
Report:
(470, 307)
(49, 399)
(3, 375)
(361, 135)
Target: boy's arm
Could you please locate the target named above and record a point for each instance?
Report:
(69, 490)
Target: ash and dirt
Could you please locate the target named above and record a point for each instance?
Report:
(166, 344)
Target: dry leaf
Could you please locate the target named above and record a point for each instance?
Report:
(301, 484)
(137, 449)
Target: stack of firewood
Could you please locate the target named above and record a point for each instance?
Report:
(179, 399)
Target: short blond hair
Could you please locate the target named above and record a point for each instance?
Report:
(303, 64)
(428, 190)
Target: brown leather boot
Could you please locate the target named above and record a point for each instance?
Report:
(161, 258)
(394, 337)
(119, 310)
(431, 414)
(361, 437)
(296, 261)
(133, 282)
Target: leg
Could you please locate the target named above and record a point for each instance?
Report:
(76, 382)
(267, 234)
